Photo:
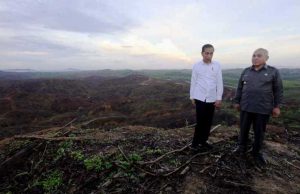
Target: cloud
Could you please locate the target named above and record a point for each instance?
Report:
(282, 49)
(26, 53)
(142, 47)
(77, 16)
(97, 34)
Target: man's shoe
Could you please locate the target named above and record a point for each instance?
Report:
(240, 151)
(207, 146)
(259, 160)
(194, 148)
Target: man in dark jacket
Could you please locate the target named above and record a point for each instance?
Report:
(259, 94)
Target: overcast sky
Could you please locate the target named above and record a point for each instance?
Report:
(145, 34)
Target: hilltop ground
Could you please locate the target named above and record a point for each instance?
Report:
(138, 159)
(107, 149)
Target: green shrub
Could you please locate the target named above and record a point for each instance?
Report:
(77, 155)
(52, 181)
(96, 163)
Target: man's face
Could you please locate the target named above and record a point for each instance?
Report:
(208, 54)
(259, 58)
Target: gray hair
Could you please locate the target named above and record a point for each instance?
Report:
(264, 51)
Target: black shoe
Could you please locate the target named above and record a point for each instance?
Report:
(259, 160)
(194, 148)
(206, 146)
(239, 151)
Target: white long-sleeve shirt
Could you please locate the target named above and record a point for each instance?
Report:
(206, 82)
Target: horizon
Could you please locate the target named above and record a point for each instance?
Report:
(56, 35)
(81, 70)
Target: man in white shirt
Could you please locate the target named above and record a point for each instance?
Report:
(206, 94)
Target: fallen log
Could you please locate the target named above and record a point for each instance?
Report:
(41, 137)
(15, 160)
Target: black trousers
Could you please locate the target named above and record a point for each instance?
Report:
(204, 117)
(258, 122)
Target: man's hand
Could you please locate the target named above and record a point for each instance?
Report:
(276, 112)
(218, 104)
(237, 107)
(193, 102)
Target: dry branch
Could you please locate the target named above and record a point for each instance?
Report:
(237, 184)
(292, 164)
(41, 137)
(189, 161)
(164, 155)
(120, 149)
(174, 151)
(185, 170)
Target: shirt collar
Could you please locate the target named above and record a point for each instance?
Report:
(264, 67)
(202, 62)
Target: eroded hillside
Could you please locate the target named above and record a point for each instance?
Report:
(34, 104)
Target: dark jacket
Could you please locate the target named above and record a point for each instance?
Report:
(259, 91)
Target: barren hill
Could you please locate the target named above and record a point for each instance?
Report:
(34, 104)
(131, 135)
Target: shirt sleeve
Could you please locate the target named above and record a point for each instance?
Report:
(238, 93)
(193, 83)
(277, 89)
(220, 86)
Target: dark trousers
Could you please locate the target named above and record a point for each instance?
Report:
(258, 122)
(204, 117)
